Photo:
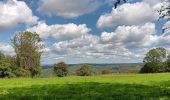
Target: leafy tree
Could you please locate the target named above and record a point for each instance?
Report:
(85, 70)
(107, 71)
(119, 2)
(156, 54)
(28, 47)
(60, 69)
(154, 61)
(153, 67)
(167, 64)
(164, 13)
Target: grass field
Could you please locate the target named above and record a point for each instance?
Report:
(109, 87)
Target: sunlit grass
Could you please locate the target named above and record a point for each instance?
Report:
(120, 86)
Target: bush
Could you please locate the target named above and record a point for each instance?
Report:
(107, 71)
(60, 69)
(20, 72)
(5, 70)
(85, 70)
(7, 66)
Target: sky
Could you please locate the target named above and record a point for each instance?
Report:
(86, 31)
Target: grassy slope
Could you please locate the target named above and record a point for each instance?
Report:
(118, 87)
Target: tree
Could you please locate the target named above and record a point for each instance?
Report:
(28, 47)
(118, 2)
(154, 61)
(164, 13)
(107, 71)
(60, 69)
(167, 64)
(84, 70)
(6, 66)
(156, 54)
(153, 67)
(20, 72)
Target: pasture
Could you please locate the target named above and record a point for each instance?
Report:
(108, 87)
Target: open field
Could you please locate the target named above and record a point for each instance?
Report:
(109, 87)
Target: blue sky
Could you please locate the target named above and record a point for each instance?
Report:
(86, 31)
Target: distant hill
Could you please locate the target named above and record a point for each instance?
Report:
(116, 68)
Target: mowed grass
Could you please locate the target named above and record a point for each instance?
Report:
(108, 87)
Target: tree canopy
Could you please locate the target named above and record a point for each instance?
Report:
(28, 47)
(60, 69)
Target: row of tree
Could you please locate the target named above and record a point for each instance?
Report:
(156, 60)
(61, 70)
(26, 61)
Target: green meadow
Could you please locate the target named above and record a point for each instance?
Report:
(108, 87)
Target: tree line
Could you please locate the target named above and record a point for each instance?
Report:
(27, 60)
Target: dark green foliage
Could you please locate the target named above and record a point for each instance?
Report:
(28, 47)
(85, 70)
(118, 2)
(6, 71)
(6, 66)
(153, 67)
(20, 72)
(107, 71)
(153, 61)
(167, 67)
(60, 69)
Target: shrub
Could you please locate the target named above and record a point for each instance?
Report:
(107, 71)
(5, 70)
(20, 72)
(7, 65)
(60, 69)
(85, 70)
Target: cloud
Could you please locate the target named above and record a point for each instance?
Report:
(128, 14)
(6, 48)
(75, 44)
(68, 8)
(152, 2)
(60, 31)
(125, 42)
(13, 12)
(132, 36)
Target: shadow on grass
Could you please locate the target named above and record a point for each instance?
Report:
(89, 91)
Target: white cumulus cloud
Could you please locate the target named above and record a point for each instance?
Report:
(6, 48)
(128, 14)
(60, 31)
(13, 12)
